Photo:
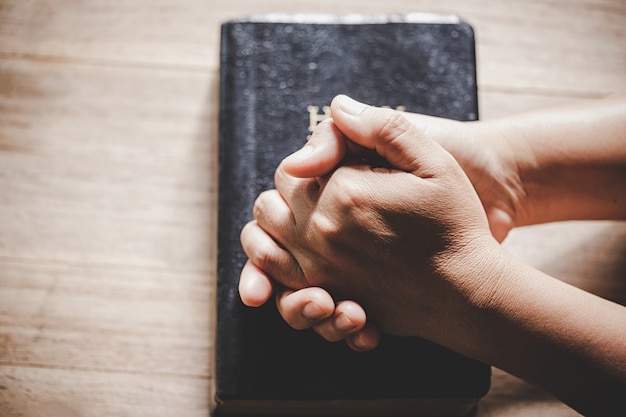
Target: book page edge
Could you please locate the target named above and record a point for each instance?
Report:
(313, 18)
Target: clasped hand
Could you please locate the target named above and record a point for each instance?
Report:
(382, 215)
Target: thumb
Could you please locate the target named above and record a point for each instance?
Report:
(321, 154)
(387, 132)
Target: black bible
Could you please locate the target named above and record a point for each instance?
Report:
(278, 75)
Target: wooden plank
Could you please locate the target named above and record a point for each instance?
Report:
(107, 245)
(589, 255)
(512, 397)
(103, 318)
(493, 104)
(577, 50)
(108, 165)
(163, 32)
(26, 392)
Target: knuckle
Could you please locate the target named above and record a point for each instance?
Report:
(347, 199)
(322, 225)
(350, 195)
(279, 175)
(395, 124)
(264, 256)
(286, 184)
(244, 235)
(258, 208)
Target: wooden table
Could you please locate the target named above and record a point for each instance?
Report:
(108, 137)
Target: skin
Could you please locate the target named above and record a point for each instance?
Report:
(404, 214)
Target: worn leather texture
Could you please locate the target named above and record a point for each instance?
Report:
(270, 73)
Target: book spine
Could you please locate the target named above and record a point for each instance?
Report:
(232, 182)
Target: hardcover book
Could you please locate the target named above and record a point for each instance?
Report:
(278, 74)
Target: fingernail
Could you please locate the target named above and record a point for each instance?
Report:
(358, 342)
(363, 343)
(312, 311)
(343, 323)
(301, 154)
(351, 106)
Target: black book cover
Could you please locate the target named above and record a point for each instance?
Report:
(276, 75)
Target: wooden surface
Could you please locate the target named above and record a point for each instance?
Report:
(108, 140)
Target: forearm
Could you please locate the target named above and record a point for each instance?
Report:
(571, 162)
(545, 331)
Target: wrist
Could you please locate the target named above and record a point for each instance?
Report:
(479, 273)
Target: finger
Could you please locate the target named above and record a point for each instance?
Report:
(273, 214)
(255, 287)
(269, 258)
(389, 133)
(304, 308)
(348, 318)
(500, 223)
(364, 340)
(322, 153)
(300, 194)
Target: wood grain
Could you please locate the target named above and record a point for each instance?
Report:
(108, 141)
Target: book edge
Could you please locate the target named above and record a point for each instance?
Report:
(431, 407)
(355, 18)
